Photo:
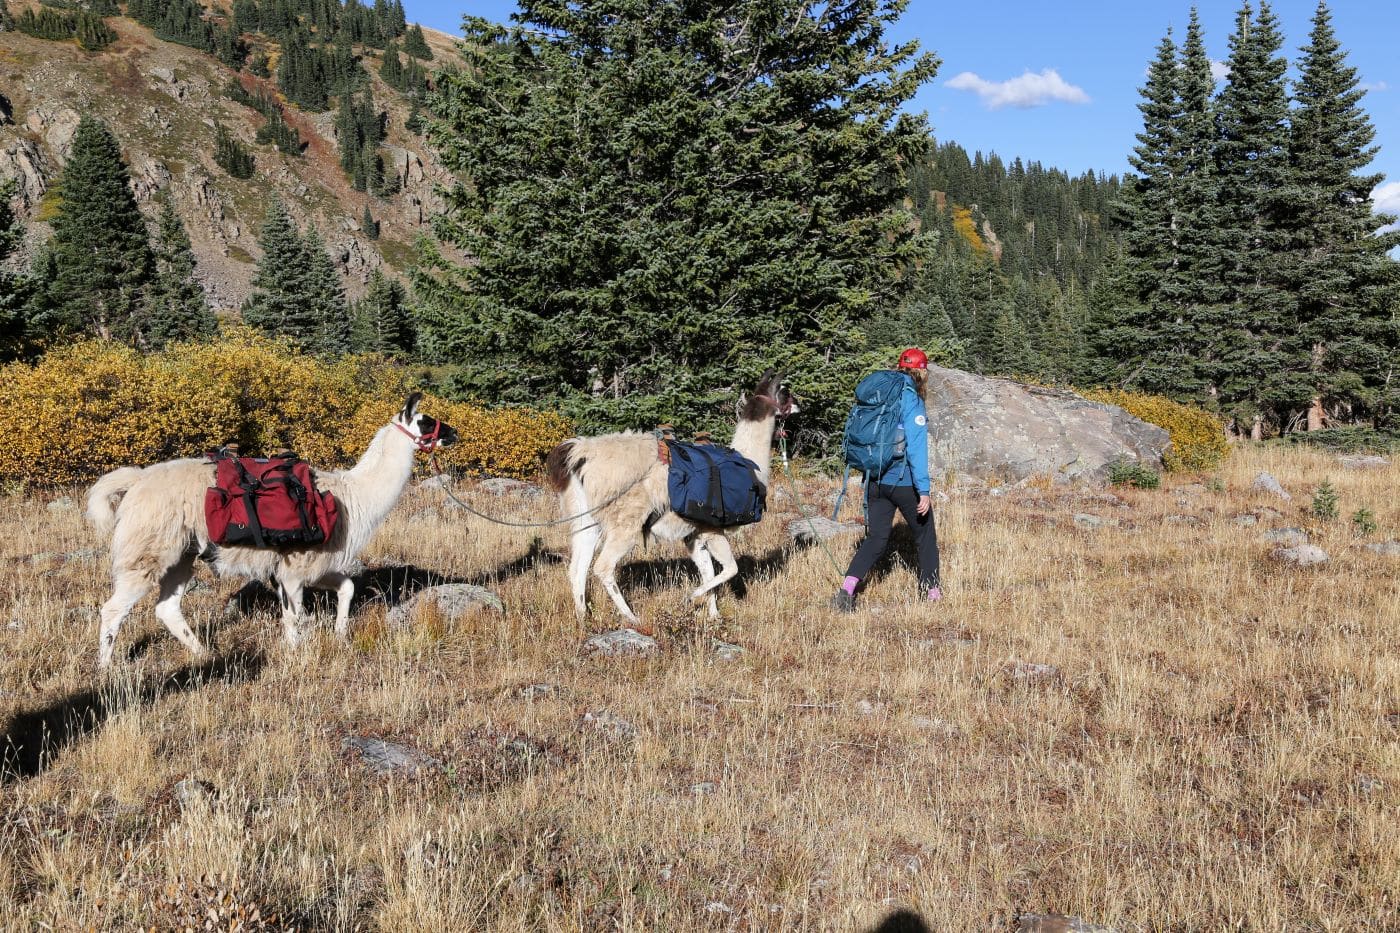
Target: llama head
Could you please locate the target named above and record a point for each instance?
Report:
(426, 431)
(770, 398)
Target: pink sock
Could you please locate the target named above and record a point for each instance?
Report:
(850, 584)
(935, 594)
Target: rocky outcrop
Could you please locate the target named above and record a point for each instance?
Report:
(996, 429)
(23, 161)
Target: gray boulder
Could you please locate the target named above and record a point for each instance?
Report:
(996, 429)
(1265, 482)
(453, 600)
(1302, 555)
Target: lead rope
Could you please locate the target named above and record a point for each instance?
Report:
(797, 497)
(432, 456)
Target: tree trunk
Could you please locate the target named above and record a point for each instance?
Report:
(1317, 415)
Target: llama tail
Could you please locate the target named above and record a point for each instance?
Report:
(559, 466)
(104, 495)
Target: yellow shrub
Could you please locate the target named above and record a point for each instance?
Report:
(1198, 437)
(94, 406)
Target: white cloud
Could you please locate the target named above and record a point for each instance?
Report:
(1029, 90)
(1374, 86)
(1219, 70)
(1385, 199)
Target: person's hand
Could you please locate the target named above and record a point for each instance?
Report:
(924, 505)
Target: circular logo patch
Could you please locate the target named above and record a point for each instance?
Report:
(920, 420)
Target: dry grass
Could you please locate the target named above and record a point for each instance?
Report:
(1218, 748)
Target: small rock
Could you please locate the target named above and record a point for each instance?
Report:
(189, 790)
(1267, 514)
(1288, 537)
(453, 600)
(621, 643)
(818, 528)
(703, 788)
(1246, 520)
(439, 481)
(1368, 785)
(610, 724)
(536, 691)
(1026, 671)
(1056, 923)
(866, 708)
(997, 491)
(62, 504)
(1304, 555)
(1085, 520)
(14, 625)
(1182, 520)
(389, 757)
(938, 727)
(724, 651)
(500, 486)
(717, 907)
(1370, 462)
(1265, 482)
(1385, 548)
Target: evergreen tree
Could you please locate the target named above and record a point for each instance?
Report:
(326, 299)
(1342, 339)
(259, 65)
(231, 155)
(178, 309)
(7, 19)
(381, 320)
(14, 291)
(745, 199)
(246, 19)
(100, 253)
(392, 68)
(369, 224)
(278, 304)
(1251, 160)
(416, 44)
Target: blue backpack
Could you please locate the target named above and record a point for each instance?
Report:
(715, 485)
(874, 435)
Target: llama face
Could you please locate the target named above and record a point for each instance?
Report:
(427, 432)
(771, 397)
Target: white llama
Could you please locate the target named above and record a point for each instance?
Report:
(624, 474)
(159, 529)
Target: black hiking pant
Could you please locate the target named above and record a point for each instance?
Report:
(879, 522)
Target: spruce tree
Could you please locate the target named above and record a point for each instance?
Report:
(278, 304)
(416, 44)
(330, 334)
(178, 309)
(381, 320)
(1251, 160)
(14, 291)
(1341, 340)
(100, 252)
(369, 224)
(745, 199)
(230, 154)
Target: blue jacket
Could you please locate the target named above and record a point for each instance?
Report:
(912, 468)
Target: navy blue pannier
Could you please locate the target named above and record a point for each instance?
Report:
(714, 485)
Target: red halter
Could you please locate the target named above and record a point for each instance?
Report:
(424, 442)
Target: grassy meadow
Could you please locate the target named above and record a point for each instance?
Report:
(1151, 725)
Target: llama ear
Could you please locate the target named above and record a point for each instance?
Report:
(410, 407)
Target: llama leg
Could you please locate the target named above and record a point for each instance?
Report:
(615, 547)
(583, 544)
(344, 592)
(127, 592)
(290, 591)
(729, 568)
(172, 590)
(700, 554)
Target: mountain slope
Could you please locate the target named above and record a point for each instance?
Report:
(162, 101)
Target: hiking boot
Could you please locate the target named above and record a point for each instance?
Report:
(843, 602)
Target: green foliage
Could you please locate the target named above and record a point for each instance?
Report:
(259, 65)
(369, 224)
(1132, 473)
(1364, 521)
(661, 204)
(297, 294)
(177, 309)
(381, 321)
(1357, 440)
(99, 262)
(14, 287)
(92, 33)
(1324, 502)
(230, 154)
(275, 130)
(416, 44)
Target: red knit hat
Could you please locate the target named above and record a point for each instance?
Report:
(913, 358)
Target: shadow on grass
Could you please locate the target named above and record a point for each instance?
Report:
(392, 585)
(650, 574)
(902, 921)
(33, 739)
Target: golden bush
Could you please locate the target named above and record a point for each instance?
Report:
(94, 406)
(1198, 437)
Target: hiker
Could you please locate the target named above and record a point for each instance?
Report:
(902, 485)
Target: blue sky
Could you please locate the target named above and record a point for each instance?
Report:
(1058, 83)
